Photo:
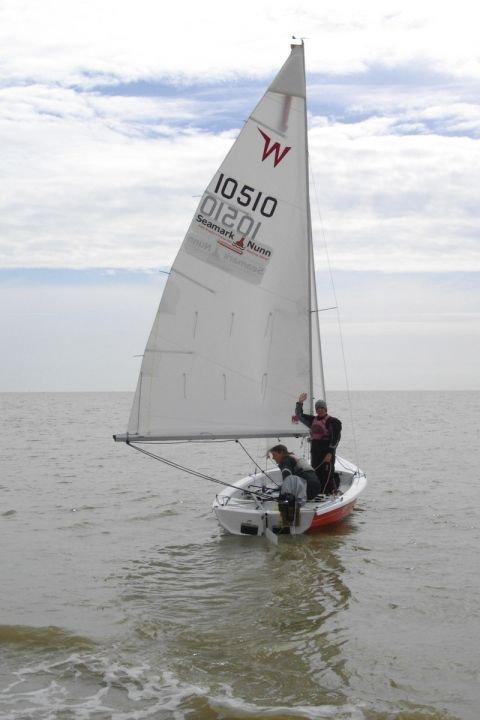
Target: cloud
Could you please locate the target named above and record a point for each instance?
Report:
(396, 202)
(118, 40)
(110, 135)
(97, 181)
(107, 181)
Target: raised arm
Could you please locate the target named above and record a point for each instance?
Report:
(305, 419)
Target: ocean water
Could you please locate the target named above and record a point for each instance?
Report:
(121, 597)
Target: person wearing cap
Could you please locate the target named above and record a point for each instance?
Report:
(292, 466)
(325, 432)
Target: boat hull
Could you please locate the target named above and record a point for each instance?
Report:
(239, 512)
(330, 518)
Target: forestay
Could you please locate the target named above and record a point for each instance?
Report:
(236, 330)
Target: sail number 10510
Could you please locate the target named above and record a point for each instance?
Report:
(247, 196)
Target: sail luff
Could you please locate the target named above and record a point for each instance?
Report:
(313, 310)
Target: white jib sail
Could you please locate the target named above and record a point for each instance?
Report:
(228, 353)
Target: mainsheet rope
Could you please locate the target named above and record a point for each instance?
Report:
(196, 473)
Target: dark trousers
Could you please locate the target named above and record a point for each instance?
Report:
(325, 470)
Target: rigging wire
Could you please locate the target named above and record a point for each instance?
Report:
(340, 331)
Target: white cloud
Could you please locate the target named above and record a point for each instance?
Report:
(395, 202)
(88, 187)
(95, 179)
(111, 181)
(121, 40)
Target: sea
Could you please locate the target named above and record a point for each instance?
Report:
(122, 598)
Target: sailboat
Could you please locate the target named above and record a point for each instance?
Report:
(236, 335)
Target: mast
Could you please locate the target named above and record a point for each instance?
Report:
(312, 289)
(309, 250)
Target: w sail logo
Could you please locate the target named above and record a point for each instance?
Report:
(274, 148)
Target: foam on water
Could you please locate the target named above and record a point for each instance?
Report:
(88, 686)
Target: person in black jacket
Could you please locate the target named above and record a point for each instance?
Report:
(325, 432)
(289, 464)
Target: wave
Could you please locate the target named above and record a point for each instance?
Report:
(109, 685)
(44, 637)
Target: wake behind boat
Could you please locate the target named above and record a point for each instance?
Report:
(236, 334)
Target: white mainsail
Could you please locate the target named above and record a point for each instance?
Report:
(235, 338)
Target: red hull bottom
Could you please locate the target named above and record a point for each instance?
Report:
(330, 518)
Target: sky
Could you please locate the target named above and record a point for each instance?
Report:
(115, 115)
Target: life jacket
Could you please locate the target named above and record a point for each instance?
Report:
(319, 429)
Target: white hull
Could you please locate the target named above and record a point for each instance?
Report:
(241, 513)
